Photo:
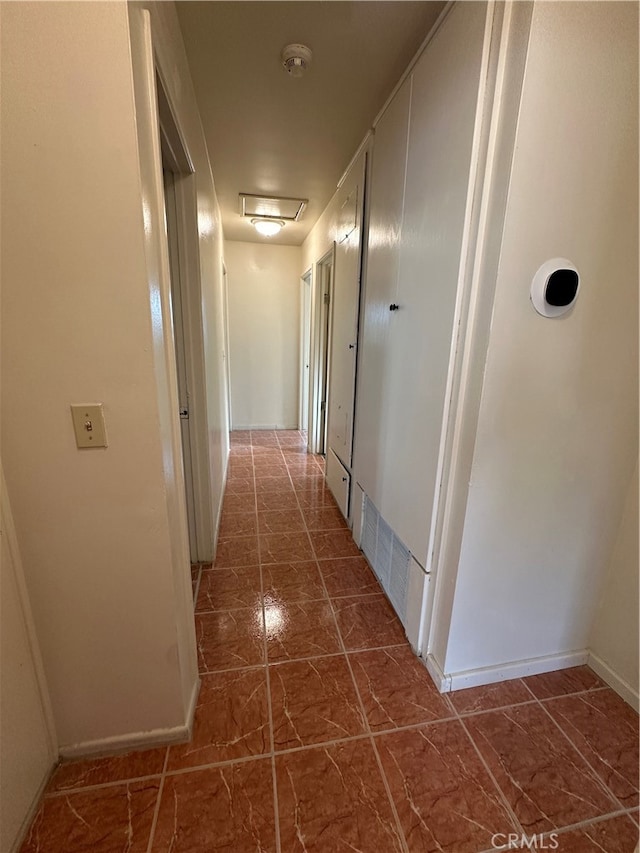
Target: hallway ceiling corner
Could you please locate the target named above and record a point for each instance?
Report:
(271, 134)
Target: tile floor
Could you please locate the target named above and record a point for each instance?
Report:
(317, 730)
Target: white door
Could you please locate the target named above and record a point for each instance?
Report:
(225, 356)
(325, 350)
(413, 270)
(344, 324)
(443, 118)
(181, 362)
(386, 195)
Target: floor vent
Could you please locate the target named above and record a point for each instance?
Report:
(388, 557)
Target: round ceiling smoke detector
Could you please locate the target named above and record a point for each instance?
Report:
(296, 58)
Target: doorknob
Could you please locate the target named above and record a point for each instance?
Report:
(393, 307)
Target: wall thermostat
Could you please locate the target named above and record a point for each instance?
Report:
(555, 286)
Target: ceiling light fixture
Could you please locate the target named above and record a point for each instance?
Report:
(296, 59)
(268, 227)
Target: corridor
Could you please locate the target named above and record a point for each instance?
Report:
(318, 730)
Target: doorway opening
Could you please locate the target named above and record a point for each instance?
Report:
(225, 356)
(305, 349)
(186, 325)
(320, 324)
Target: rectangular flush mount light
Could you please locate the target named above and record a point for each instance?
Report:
(272, 207)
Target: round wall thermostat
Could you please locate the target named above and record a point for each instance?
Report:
(554, 288)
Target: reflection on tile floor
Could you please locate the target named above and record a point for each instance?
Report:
(318, 730)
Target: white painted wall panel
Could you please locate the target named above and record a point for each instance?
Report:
(386, 193)
(264, 334)
(558, 430)
(445, 85)
(407, 351)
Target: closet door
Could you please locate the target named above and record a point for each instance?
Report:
(386, 193)
(346, 298)
(418, 349)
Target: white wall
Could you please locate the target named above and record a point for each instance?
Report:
(327, 229)
(264, 334)
(557, 432)
(101, 532)
(27, 746)
(614, 636)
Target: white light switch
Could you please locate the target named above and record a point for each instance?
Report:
(88, 423)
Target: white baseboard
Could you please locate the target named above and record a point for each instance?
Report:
(445, 682)
(136, 740)
(441, 681)
(615, 682)
(126, 743)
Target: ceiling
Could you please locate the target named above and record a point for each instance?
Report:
(271, 134)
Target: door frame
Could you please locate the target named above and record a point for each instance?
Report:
(226, 355)
(306, 290)
(177, 160)
(320, 367)
(178, 331)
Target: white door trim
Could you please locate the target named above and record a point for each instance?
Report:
(306, 290)
(320, 346)
(504, 53)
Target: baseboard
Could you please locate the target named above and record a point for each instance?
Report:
(32, 810)
(136, 740)
(615, 682)
(216, 527)
(441, 681)
(504, 672)
(191, 710)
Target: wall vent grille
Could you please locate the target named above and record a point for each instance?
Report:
(388, 557)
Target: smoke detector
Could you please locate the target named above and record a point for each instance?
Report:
(296, 58)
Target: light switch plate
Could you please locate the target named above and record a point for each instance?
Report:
(88, 423)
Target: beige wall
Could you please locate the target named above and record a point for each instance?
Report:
(614, 637)
(27, 745)
(264, 334)
(101, 532)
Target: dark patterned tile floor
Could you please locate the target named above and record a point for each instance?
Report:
(318, 730)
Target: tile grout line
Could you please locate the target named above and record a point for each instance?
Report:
(272, 760)
(385, 783)
(99, 786)
(502, 796)
(375, 734)
(156, 810)
(180, 771)
(541, 702)
(244, 759)
(383, 775)
(583, 824)
(576, 749)
(211, 611)
(308, 658)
